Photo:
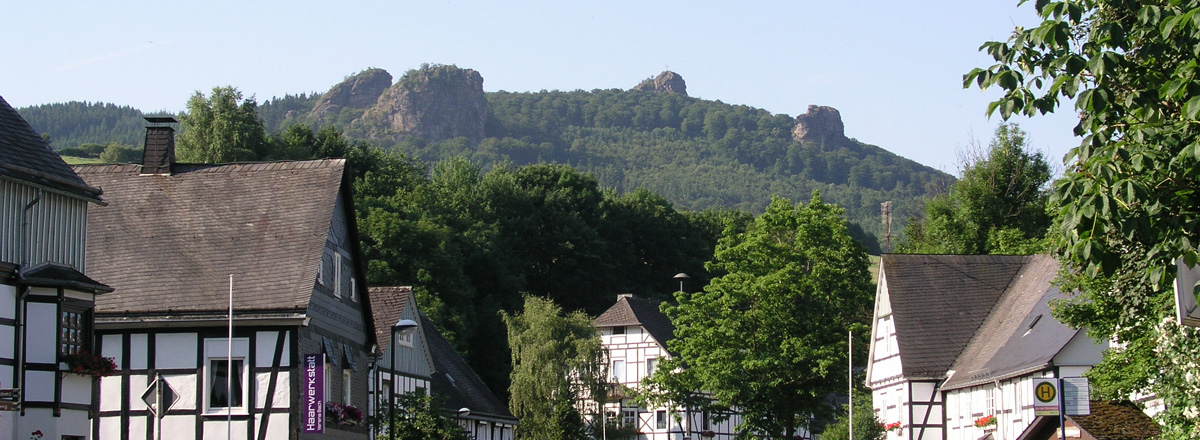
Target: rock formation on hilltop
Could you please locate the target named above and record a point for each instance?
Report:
(435, 103)
(821, 123)
(666, 82)
(358, 92)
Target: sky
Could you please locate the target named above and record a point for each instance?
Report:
(892, 69)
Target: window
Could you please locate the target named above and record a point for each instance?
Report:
(618, 330)
(225, 381)
(346, 377)
(74, 329)
(325, 275)
(651, 365)
(989, 401)
(405, 339)
(226, 389)
(618, 372)
(660, 419)
(705, 422)
(345, 277)
(629, 417)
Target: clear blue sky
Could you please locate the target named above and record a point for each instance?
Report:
(893, 69)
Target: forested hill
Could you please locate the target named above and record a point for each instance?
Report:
(697, 153)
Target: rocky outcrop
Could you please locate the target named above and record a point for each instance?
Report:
(358, 92)
(666, 82)
(821, 123)
(435, 103)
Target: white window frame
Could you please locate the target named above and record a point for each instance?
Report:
(216, 349)
(651, 365)
(660, 419)
(618, 372)
(405, 339)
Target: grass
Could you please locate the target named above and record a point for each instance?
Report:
(76, 160)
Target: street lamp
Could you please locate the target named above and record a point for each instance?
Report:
(681, 276)
(404, 327)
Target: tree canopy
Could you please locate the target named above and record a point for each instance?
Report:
(998, 205)
(557, 361)
(769, 336)
(222, 127)
(1128, 206)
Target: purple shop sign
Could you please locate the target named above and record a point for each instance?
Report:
(313, 394)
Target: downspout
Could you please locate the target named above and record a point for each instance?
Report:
(19, 368)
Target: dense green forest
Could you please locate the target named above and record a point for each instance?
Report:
(697, 153)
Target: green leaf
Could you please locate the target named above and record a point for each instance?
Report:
(1191, 109)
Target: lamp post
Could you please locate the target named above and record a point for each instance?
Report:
(404, 327)
(681, 276)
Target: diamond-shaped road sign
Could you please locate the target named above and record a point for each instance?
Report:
(160, 389)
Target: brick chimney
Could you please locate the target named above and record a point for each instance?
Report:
(159, 153)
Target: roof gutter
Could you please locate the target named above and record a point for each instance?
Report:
(183, 321)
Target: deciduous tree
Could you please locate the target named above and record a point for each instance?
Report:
(557, 360)
(769, 336)
(1129, 205)
(998, 206)
(222, 127)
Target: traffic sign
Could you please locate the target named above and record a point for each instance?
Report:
(1045, 397)
(160, 391)
(1076, 395)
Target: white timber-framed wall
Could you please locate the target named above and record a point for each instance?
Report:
(46, 301)
(633, 354)
(916, 404)
(286, 244)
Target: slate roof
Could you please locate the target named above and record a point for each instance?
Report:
(1020, 336)
(25, 156)
(454, 380)
(637, 311)
(939, 301)
(170, 242)
(387, 304)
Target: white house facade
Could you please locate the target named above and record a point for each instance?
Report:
(958, 341)
(46, 300)
(427, 363)
(276, 243)
(635, 333)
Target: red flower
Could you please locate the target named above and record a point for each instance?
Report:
(987, 420)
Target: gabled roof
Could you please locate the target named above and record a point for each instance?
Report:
(387, 305)
(637, 311)
(25, 156)
(170, 242)
(454, 380)
(1020, 336)
(939, 301)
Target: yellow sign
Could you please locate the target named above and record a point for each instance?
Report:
(1045, 392)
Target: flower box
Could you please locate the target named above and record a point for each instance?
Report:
(87, 364)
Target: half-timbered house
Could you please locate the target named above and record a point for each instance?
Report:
(267, 249)
(957, 341)
(635, 333)
(427, 362)
(46, 299)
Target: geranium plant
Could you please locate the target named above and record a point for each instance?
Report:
(988, 420)
(84, 363)
(894, 426)
(346, 415)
